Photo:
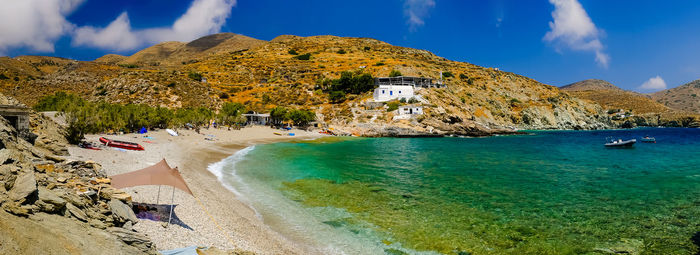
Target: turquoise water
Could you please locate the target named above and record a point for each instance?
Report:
(558, 192)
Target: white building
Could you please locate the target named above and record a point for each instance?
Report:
(407, 111)
(385, 93)
(411, 109)
(396, 88)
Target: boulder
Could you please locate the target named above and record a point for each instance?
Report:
(49, 201)
(24, 186)
(121, 212)
(134, 239)
(76, 212)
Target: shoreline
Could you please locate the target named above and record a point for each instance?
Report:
(236, 224)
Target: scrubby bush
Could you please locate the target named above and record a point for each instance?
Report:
(463, 76)
(447, 74)
(393, 106)
(196, 76)
(395, 73)
(367, 48)
(379, 64)
(292, 52)
(306, 56)
(341, 51)
(336, 96)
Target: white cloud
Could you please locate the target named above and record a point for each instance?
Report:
(34, 24)
(202, 18)
(416, 11)
(573, 28)
(653, 84)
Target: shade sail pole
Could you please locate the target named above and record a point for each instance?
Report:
(172, 200)
(158, 197)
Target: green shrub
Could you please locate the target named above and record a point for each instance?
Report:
(341, 51)
(223, 95)
(336, 96)
(196, 76)
(393, 106)
(349, 82)
(395, 73)
(367, 48)
(463, 76)
(403, 100)
(128, 65)
(171, 84)
(447, 74)
(306, 56)
(3, 76)
(412, 100)
(292, 52)
(379, 64)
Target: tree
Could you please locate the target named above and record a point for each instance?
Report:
(301, 117)
(230, 112)
(278, 114)
(395, 73)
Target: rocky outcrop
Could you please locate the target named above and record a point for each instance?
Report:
(67, 206)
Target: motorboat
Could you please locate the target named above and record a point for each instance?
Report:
(648, 139)
(619, 143)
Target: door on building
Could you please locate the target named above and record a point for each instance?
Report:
(391, 92)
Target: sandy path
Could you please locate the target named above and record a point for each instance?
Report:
(242, 229)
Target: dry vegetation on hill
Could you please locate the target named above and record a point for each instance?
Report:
(263, 75)
(685, 97)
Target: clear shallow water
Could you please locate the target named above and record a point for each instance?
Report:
(557, 192)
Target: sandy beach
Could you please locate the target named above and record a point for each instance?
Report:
(234, 225)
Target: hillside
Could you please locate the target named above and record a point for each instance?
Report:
(685, 97)
(263, 75)
(590, 84)
(611, 97)
(618, 102)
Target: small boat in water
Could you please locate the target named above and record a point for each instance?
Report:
(619, 143)
(648, 139)
(121, 144)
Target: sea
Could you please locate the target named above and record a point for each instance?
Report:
(546, 192)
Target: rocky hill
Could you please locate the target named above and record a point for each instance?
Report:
(590, 84)
(629, 108)
(264, 74)
(53, 206)
(685, 97)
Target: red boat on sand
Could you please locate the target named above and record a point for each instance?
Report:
(121, 144)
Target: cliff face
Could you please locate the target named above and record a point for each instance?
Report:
(263, 75)
(52, 206)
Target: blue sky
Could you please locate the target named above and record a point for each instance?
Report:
(637, 45)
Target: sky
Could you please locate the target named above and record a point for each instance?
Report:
(639, 45)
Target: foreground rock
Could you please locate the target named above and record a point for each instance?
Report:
(52, 206)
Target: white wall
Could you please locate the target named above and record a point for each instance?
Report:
(387, 93)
